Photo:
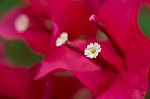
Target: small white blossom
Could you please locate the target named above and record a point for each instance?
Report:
(92, 50)
(21, 23)
(62, 39)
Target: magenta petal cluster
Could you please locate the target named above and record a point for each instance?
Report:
(120, 70)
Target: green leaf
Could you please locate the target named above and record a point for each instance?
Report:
(20, 54)
(7, 4)
(144, 21)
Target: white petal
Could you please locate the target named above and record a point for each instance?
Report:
(90, 45)
(86, 52)
(96, 44)
(99, 50)
(91, 56)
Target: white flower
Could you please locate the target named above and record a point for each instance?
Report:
(62, 39)
(21, 23)
(92, 50)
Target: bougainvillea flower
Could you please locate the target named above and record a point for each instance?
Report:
(121, 70)
(29, 25)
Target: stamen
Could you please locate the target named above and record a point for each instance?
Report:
(93, 18)
(62, 39)
(21, 23)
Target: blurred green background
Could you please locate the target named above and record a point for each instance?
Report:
(19, 53)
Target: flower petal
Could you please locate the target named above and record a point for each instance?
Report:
(130, 85)
(119, 17)
(14, 79)
(83, 69)
(53, 86)
(72, 17)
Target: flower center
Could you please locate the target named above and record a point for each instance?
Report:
(94, 51)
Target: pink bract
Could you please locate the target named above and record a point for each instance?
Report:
(124, 72)
(121, 69)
